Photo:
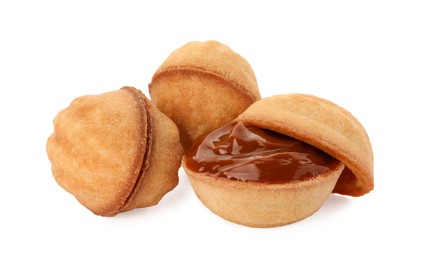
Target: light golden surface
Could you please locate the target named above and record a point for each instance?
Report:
(258, 204)
(102, 151)
(201, 86)
(324, 125)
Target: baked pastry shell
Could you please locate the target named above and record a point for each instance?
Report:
(258, 204)
(202, 86)
(114, 151)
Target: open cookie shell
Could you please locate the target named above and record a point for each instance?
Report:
(307, 118)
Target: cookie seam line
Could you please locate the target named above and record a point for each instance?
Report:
(214, 74)
(148, 143)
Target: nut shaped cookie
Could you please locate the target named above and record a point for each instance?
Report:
(227, 169)
(114, 151)
(201, 86)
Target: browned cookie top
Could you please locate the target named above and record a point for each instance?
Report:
(324, 125)
(97, 148)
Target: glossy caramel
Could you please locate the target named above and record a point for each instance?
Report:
(242, 153)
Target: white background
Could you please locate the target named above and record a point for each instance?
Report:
(362, 55)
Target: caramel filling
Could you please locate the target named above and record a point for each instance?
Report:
(242, 153)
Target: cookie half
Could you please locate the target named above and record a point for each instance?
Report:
(324, 125)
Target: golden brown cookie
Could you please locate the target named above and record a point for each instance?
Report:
(233, 193)
(262, 205)
(201, 86)
(115, 151)
(324, 125)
